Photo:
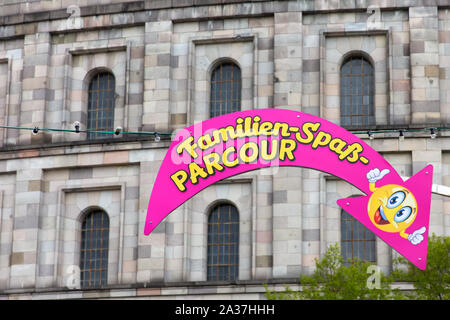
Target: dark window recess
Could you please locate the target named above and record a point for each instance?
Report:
(356, 240)
(225, 90)
(223, 243)
(357, 92)
(101, 100)
(94, 249)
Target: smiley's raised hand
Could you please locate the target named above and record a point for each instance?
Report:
(416, 237)
(375, 174)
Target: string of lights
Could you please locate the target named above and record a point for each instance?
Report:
(117, 131)
(401, 132)
(157, 135)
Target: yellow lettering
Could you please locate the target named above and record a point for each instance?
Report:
(266, 128)
(239, 128)
(265, 149)
(287, 146)
(248, 127)
(180, 178)
(212, 162)
(255, 125)
(194, 171)
(364, 160)
(225, 133)
(337, 145)
(243, 152)
(226, 160)
(347, 151)
(204, 142)
(355, 153)
(322, 139)
(284, 129)
(308, 128)
(186, 146)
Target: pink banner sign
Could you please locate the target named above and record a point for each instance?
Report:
(395, 210)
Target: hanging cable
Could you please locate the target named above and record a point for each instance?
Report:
(117, 131)
(157, 135)
(433, 131)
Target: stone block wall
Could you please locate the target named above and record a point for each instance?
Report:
(444, 63)
(11, 65)
(76, 57)
(162, 54)
(424, 50)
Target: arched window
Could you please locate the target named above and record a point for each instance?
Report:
(101, 100)
(356, 240)
(94, 249)
(357, 92)
(225, 89)
(223, 243)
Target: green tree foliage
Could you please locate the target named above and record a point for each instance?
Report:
(332, 279)
(433, 283)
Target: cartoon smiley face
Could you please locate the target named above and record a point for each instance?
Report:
(392, 208)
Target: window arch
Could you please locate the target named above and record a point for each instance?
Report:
(226, 86)
(94, 249)
(356, 240)
(357, 92)
(101, 101)
(223, 243)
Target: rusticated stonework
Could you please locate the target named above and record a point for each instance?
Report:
(161, 54)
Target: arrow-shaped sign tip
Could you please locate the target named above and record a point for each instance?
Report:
(398, 213)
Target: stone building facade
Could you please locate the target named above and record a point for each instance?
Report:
(162, 54)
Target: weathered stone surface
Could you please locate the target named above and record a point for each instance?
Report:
(162, 55)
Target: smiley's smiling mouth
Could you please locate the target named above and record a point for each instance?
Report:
(379, 216)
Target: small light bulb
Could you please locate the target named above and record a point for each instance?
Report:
(157, 137)
(370, 134)
(118, 131)
(76, 124)
(432, 134)
(401, 137)
(35, 130)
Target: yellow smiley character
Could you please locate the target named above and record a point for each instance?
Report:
(392, 208)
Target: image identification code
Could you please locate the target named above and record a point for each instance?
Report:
(246, 309)
(229, 309)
